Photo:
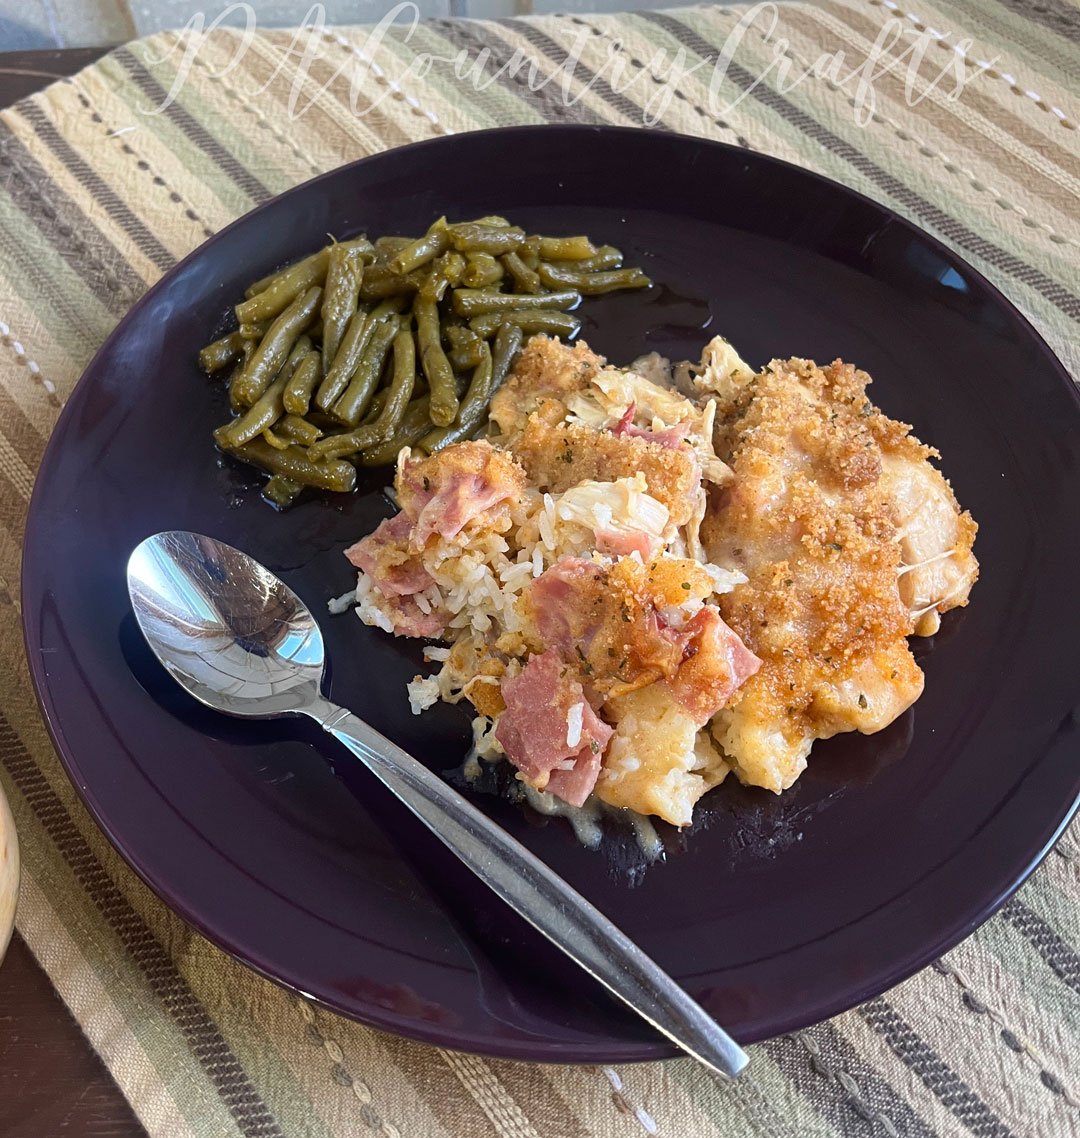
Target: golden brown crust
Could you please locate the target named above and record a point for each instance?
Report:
(558, 457)
(809, 521)
(476, 464)
(544, 367)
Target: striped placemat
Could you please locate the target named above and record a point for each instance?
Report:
(98, 198)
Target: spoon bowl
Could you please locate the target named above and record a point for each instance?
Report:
(226, 629)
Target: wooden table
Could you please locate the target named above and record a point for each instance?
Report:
(51, 1082)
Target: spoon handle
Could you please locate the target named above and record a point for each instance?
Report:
(538, 894)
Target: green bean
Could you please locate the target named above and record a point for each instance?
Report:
(440, 375)
(387, 247)
(380, 282)
(422, 250)
(590, 284)
(299, 350)
(254, 331)
(375, 407)
(415, 424)
(472, 411)
(302, 383)
(482, 270)
(471, 237)
(452, 265)
(402, 383)
(273, 350)
(263, 283)
(294, 464)
(298, 430)
(350, 408)
(263, 413)
(281, 491)
(465, 352)
(459, 335)
(530, 253)
(525, 280)
(607, 257)
(467, 356)
(277, 443)
(357, 337)
(234, 399)
(221, 353)
(435, 284)
(506, 346)
(391, 407)
(283, 290)
(348, 443)
(477, 302)
(532, 320)
(492, 221)
(566, 248)
(344, 272)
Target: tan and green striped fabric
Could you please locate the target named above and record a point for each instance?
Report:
(99, 198)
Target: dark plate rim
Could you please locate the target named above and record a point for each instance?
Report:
(612, 1051)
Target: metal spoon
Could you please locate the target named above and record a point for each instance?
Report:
(242, 642)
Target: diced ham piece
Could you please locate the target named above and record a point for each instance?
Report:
(397, 572)
(715, 665)
(410, 620)
(385, 557)
(622, 543)
(554, 605)
(575, 785)
(670, 437)
(445, 492)
(533, 729)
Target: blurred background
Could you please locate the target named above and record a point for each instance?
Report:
(31, 24)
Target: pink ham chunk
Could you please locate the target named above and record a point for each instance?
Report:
(575, 784)
(533, 729)
(716, 663)
(670, 437)
(384, 555)
(409, 619)
(398, 574)
(554, 599)
(445, 492)
(622, 543)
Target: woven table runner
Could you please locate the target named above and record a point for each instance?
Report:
(108, 179)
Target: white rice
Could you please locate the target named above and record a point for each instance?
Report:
(574, 720)
(338, 605)
(423, 693)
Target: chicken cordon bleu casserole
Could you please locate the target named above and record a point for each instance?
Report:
(645, 579)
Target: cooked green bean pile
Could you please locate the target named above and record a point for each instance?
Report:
(365, 347)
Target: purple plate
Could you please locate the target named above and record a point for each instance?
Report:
(773, 911)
